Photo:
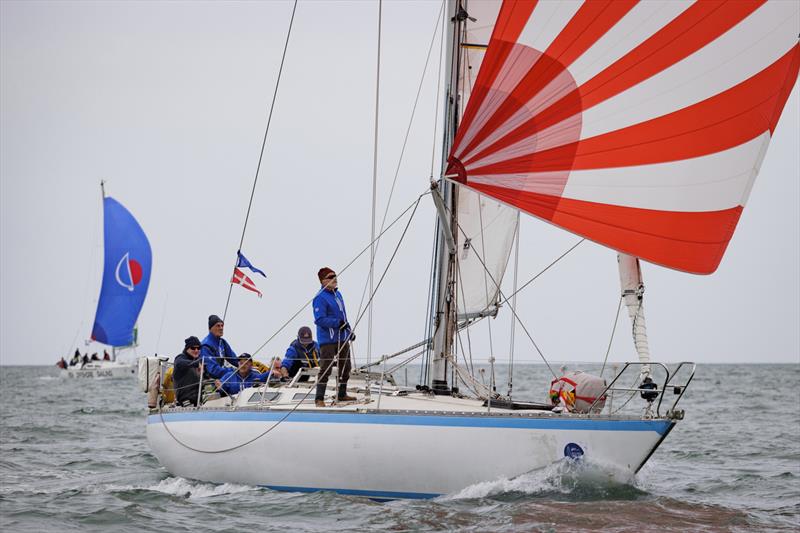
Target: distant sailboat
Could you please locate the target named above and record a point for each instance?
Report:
(639, 126)
(126, 277)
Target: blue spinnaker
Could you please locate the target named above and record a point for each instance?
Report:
(126, 275)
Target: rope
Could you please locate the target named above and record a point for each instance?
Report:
(261, 154)
(513, 311)
(613, 330)
(559, 258)
(513, 303)
(403, 149)
(348, 265)
(330, 365)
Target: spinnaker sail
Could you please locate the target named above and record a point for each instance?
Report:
(639, 125)
(486, 226)
(126, 276)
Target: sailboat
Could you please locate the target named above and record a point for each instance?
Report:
(638, 126)
(126, 276)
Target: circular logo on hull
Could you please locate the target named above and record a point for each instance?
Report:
(573, 451)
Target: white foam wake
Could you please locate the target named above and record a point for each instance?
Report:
(178, 486)
(561, 477)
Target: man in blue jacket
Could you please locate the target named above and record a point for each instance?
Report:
(233, 381)
(333, 334)
(303, 352)
(217, 349)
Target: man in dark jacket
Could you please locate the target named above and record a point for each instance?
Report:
(333, 334)
(186, 375)
(216, 348)
(303, 352)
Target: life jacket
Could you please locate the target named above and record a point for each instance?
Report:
(312, 361)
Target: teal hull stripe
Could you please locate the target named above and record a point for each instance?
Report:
(658, 426)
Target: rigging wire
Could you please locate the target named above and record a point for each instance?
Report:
(485, 280)
(89, 272)
(405, 142)
(505, 299)
(433, 280)
(261, 154)
(310, 389)
(514, 304)
(545, 269)
(613, 330)
(374, 184)
(163, 315)
(513, 311)
(347, 266)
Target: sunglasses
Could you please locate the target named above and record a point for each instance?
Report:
(330, 276)
(194, 348)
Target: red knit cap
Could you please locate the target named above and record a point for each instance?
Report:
(323, 272)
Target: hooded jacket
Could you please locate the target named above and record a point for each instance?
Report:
(219, 350)
(330, 316)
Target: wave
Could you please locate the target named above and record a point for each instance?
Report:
(582, 480)
(184, 488)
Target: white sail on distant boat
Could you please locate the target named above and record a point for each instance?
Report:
(602, 118)
(126, 276)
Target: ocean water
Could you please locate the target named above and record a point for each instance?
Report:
(73, 457)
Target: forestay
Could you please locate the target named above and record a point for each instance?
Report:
(639, 125)
(486, 226)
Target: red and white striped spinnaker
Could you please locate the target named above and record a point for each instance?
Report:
(639, 125)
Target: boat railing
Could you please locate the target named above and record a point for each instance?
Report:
(653, 391)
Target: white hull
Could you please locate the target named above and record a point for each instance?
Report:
(390, 453)
(100, 370)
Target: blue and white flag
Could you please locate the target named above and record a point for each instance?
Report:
(244, 263)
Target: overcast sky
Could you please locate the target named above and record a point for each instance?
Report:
(167, 101)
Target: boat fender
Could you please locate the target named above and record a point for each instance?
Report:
(577, 391)
(148, 367)
(152, 393)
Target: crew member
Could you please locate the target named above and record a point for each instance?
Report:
(186, 373)
(333, 334)
(233, 381)
(216, 348)
(303, 352)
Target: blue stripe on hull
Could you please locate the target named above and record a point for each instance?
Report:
(659, 426)
(374, 494)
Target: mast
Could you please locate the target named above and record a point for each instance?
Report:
(445, 195)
